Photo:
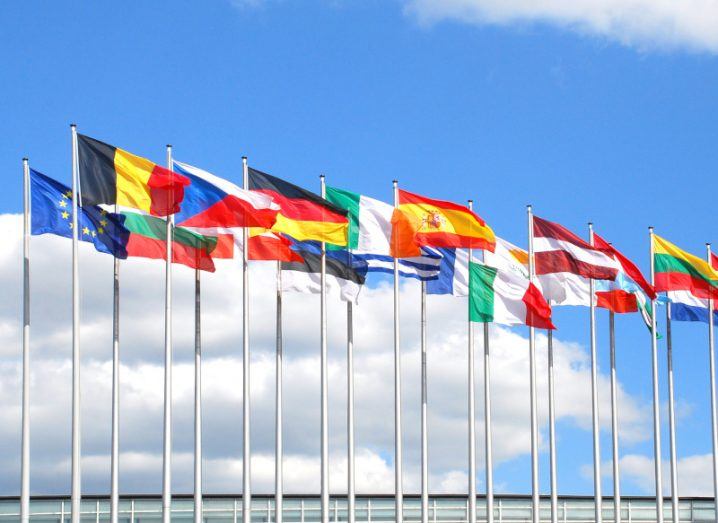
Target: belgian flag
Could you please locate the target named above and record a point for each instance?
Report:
(303, 215)
(109, 175)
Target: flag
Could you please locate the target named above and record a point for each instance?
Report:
(51, 213)
(714, 261)
(369, 221)
(424, 268)
(344, 273)
(687, 307)
(564, 264)
(453, 277)
(265, 245)
(212, 203)
(303, 215)
(507, 298)
(148, 239)
(508, 257)
(420, 221)
(678, 270)
(109, 175)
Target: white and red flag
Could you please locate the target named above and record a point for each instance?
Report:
(564, 264)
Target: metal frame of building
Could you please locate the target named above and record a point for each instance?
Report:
(376, 508)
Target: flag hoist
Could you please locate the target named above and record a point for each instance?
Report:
(75, 495)
(656, 399)
(246, 455)
(25, 450)
(532, 384)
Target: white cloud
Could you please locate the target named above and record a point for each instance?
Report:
(645, 24)
(142, 374)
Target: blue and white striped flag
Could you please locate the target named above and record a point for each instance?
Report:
(424, 268)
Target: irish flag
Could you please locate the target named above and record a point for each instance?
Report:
(505, 297)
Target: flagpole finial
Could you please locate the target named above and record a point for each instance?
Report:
(321, 177)
(529, 207)
(470, 201)
(73, 126)
(244, 158)
(395, 182)
(25, 159)
(650, 229)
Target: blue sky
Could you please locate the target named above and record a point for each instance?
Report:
(586, 124)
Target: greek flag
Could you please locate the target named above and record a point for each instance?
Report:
(424, 267)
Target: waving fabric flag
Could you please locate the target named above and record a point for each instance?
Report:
(420, 221)
(425, 267)
(369, 221)
(265, 245)
(687, 307)
(344, 273)
(507, 298)
(678, 270)
(453, 277)
(714, 261)
(565, 263)
(51, 213)
(508, 257)
(303, 215)
(109, 175)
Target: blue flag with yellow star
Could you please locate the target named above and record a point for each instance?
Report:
(51, 212)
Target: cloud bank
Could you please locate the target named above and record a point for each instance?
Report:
(643, 24)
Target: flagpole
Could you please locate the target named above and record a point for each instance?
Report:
(325, 380)
(76, 483)
(656, 401)
(598, 499)
(278, 449)
(614, 420)
(167, 443)
(246, 458)
(197, 398)
(487, 427)
(671, 418)
(532, 368)
(472, 404)
(398, 488)
(25, 465)
(351, 495)
(552, 429)
(424, 434)
(711, 358)
(115, 458)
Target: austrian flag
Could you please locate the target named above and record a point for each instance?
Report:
(565, 263)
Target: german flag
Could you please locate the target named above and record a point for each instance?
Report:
(109, 175)
(303, 215)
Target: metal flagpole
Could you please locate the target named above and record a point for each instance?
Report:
(598, 499)
(656, 402)
(532, 365)
(552, 429)
(246, 458)
(351, 494)
(614, 420)
(25, 465)
(76, 484)
(398, 484)
(487, 427)
(197, 398)
(424, 434)
(278, 447)
(115, 458)
(324, 381)
(671, 419)
(472, 403)
(711, 358)
(167, 443)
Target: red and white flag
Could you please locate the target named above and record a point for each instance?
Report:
(564, 264)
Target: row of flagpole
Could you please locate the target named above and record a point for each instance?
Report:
(246, 490)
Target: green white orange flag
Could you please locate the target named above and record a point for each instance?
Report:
(505, 297)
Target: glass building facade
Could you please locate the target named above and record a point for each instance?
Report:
(299, 509)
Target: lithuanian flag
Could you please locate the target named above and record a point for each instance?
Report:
(303, 215)
(678, 270)
(420, 221)
(148, 239)
(109, 175)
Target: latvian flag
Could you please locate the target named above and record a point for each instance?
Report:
(565, 263)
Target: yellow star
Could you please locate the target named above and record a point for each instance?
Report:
(103, 212)
(100, 230)
(103, 223)
(65, 215)
(68, 194)
(85, 230)
(62, 203)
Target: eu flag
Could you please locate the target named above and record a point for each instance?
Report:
(52, 213)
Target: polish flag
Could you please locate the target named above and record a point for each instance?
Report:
(564, 264)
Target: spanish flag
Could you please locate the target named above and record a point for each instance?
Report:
(109, 175)
(420, 221)
(303, 215)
